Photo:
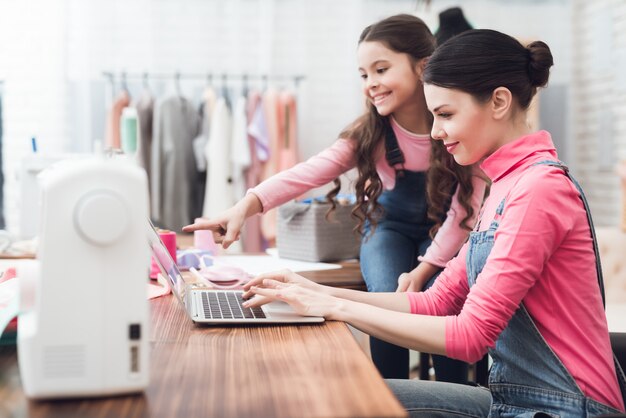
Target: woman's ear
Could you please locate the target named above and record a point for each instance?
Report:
(501, 102)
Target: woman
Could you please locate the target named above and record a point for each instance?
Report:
(525, 287)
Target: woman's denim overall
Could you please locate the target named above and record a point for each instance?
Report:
(392, 249)
(526, 379)
(526, 376)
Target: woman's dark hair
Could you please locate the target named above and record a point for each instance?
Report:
(479, 61)
(406, 34)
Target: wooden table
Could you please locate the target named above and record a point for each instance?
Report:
(264, 371)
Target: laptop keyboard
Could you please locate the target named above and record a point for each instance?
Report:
(227, 305)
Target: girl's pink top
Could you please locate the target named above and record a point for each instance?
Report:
(339, 158)
(542, 256)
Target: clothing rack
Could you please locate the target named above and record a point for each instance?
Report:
(123, 77)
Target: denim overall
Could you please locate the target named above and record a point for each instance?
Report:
(401, 235)
(527, 378)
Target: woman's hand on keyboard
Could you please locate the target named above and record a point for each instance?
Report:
(282, 276)
(304, 300)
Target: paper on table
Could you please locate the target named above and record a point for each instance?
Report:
(257, 264)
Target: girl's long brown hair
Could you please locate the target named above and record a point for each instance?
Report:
(404, 34)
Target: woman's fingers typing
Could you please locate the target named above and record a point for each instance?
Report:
(256, 300)
(263, 295)
(260, 282)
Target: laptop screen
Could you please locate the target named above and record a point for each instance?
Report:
(166, 264)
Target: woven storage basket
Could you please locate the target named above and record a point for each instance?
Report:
(305, 234)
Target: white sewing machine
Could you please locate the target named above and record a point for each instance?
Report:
(83, 330)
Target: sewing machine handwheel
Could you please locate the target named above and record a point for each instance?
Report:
(101, 217)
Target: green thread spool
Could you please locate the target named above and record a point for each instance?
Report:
(129, 130)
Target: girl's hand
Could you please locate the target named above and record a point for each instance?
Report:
(408, 282)
(305, 301)
(416, 279)
(226, 226)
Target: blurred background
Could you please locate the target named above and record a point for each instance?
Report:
(63, 63)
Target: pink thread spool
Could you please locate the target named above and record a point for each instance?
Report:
(203, 239)
(169, 240)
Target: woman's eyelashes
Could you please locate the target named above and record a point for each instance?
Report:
(444, 115)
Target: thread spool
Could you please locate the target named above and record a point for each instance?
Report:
(129, 130)
(169, 240)
(203, 239)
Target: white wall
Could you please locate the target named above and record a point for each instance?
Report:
(52, 54)
(599, 110)
(32, 65)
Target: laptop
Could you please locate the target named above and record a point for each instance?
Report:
(218, 307)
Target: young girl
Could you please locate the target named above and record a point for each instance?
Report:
(526, 287)
(399, 168)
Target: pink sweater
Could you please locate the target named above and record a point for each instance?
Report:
(339, 158)
(542, 256)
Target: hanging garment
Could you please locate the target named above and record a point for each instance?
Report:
(281, 122)
(288, 156)
(112, 129)
(271, 106)
(252, 240)
(240, 149)
(176, 124)
(199, 145)
(145, 113)
(199, 142)
(218, 194)
(270, 111)
(257, 130)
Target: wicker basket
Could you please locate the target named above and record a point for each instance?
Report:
(305, 234)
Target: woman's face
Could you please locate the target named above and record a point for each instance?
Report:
(465, 126)
(391, 82)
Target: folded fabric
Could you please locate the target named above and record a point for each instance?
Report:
(155, 291)
(194, 257)
(222, 276)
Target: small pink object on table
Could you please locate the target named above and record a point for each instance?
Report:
(169, 240)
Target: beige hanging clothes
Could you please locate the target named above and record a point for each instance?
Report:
(280, 110)
(145, 113)
(252, 238)
(112, 129)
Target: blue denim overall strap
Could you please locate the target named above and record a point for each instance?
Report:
(405, 207)
(621, 378)
(393, 153)
(526, 377)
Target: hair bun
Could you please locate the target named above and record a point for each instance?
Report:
(540, 63)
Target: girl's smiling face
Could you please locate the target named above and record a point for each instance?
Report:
(391, 80)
